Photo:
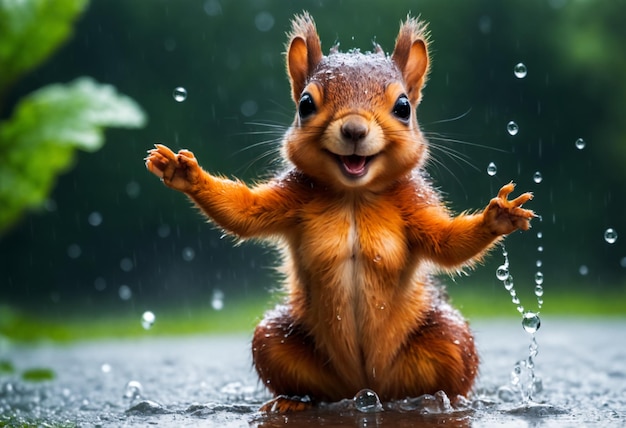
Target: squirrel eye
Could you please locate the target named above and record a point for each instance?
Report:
(402, 108)
(306, 107)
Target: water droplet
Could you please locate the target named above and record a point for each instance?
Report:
(492, 169)
(126, 264)
(367, 401)
(164, 230)
(539, 290)
(512, 128)
(100, 283)
(95, 219)
(540, 248)
(580, 144)
(217, 301)
(538, 263)
(502, 272)
(508, 283)
(531, 322)
(180, 94)
(74, 251)
(539, 278)
(105, 368)
(537, 178)
(539, 235)
(188, 254)
(133, 390)
(520, 70)
(583, 270)
(264, 21)
(125, 292)
(610, 235)
(133, 189)
(147, 320)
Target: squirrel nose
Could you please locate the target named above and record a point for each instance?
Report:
(354, 129)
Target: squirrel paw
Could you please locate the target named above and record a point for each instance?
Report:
(178, 171)
(285, 404)
(503, 216)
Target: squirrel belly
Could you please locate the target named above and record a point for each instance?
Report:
(361, 230)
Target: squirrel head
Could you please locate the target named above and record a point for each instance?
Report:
(355, 124)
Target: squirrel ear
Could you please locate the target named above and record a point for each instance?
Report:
(411, 57)
(303, 53)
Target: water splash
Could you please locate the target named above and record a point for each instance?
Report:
(524, 383)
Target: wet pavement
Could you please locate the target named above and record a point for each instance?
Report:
(209, 381)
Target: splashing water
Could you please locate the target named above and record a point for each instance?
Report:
(520, 70)
(523, 381)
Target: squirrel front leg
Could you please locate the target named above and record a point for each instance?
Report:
(245, 212)
(454, 242)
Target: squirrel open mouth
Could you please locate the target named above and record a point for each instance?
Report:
(355, 166)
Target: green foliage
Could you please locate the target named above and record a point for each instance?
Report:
(39, 140)
(31, 31)
(38, 374)
(6, 367)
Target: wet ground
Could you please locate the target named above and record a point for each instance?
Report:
(208, 381)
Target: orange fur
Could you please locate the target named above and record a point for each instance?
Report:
(361, 228)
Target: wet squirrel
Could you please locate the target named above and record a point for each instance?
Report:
(361, 231)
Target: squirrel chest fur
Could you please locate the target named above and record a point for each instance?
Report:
(360, 228)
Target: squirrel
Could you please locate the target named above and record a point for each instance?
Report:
(361, 231)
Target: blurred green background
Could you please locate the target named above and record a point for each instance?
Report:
(110, 241)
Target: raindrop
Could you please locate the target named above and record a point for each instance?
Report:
(583, 270)
(537, 178)
(512, 128)
(502, 273)
(217, 301)
(538, 263)
(539, 290)
(622, 262)
(264, 21)
(610, 235)
(74, 251)
(105, 368)
(580, 144)
(180, 94)
(531, 322)
(164, 231)
(133, 189)
(133, 390)
(188, 254)
(539, 278)
(539, 235)
(125, 292)
(95, 219)
(367, 401)
(492, 169)
(540, 248)
(147, 320)
(520, 70)
(249, 108)
(212, 7)
(100, 283)
(126, 264)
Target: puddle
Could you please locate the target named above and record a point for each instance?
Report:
(208, 381)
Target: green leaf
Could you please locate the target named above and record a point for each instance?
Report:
(32, 30)
(38, 374)
(39, 140)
